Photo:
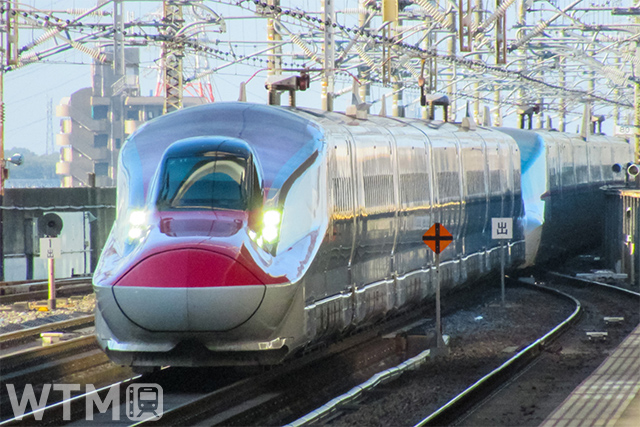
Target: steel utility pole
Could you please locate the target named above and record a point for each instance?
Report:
(172, 56)
(8, 57)
(329, 55)
(636, 103)
(116, 94)
(2, 62)
(274, 61)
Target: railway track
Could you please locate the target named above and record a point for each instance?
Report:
(285, 394)
(11, 292)
(522, 390)
(21, 337)
(609, 314)
(55, 363)
(221, 395)
(25, 360)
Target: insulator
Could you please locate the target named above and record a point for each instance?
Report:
(366, 58)
(534, 33)
(83, 11)
(95, 54)
(296, 40)
(500, 11)
(46, 36)
(433, 11)
(631, 58)
(404, 62)
(362, 10)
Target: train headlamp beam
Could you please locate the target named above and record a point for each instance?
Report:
(137, 218)
(271, 221)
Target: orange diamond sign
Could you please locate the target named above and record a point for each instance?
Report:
(437, 238)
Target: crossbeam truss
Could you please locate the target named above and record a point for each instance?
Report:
(557, 54)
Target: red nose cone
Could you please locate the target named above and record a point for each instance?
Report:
(188, 268)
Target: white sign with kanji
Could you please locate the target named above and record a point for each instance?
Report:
(50, 247)
(502, 228)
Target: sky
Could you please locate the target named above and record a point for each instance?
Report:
(29, 89)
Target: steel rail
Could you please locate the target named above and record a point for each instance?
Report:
(476, 392)
(595, 282)
(18, 337)
(40, 360)
(6, 285)
(479, 387)
(47, 365)
(214, 404)
(61, 290)
(356, 392)
(75, 405)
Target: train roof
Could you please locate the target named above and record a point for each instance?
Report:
(281, 139)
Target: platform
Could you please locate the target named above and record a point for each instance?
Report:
(610, 396)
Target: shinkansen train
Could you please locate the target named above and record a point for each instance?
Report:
(246, 232)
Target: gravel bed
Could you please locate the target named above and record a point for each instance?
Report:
(14, 317)
(482, 338)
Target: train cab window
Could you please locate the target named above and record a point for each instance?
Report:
(204, 181)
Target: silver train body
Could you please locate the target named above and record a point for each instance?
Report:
(247, 232)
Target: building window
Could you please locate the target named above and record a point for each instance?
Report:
(100, 140)
(99, 112)
(101, 169)
(133, 113)
(118, 143)
(153, 112)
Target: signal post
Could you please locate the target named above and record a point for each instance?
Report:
(438, 238)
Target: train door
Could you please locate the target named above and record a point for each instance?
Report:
(594, 156)
(414, 198)
(339, 247)
(376, 201)
(567, 167)
(474, 209)
(448, 194)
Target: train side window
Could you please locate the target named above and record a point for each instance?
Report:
(414, 189)
(342, 195)
(449, 186)
(568, 171)
(341, 182)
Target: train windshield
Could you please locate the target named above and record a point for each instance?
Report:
(209, 180)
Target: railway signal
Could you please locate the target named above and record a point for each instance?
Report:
(438, 238)
(50, 226)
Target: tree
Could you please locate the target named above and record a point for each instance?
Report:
(34, 166)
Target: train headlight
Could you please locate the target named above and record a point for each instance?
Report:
(271, 221)
(270, 234)
(138, 218)
(137, 224)
(271, 218)
(135, 233)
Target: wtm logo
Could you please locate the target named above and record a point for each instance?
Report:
(143, 401)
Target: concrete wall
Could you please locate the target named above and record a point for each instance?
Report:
(82, 235)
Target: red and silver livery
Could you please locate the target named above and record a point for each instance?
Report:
(245, 233)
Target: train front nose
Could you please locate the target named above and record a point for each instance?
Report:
(188, 289)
